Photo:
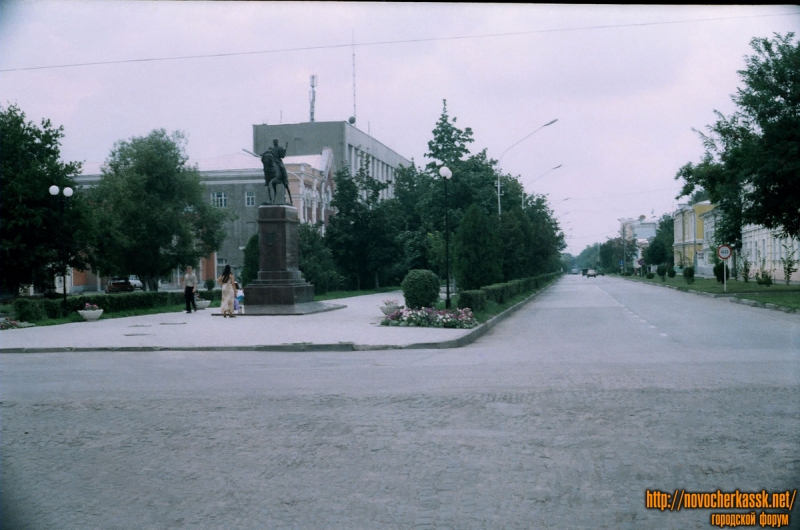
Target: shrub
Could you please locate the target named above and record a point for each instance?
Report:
(420, 288)
(671, 271)
(719, 271)
(688, 274)
(764, 278)
(28, 310)
(210, 284)
(475, 300)
(650, 275)
(661, 271)
(745, 268)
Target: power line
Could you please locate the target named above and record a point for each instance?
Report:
(383, 43)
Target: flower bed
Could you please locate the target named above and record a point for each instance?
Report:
(7, 323)
(431, 318)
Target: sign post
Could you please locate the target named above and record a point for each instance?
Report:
(724, 252)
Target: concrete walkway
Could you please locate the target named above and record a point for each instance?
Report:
(356, 327)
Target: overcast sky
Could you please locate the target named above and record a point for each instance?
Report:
(626, 83)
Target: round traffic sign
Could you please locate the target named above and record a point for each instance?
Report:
(724, 252)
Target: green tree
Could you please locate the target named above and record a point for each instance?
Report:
(316, 259)
(612, 251)
(478, 253)
(449, 143)
(35, 244)
(659, 251)
(154, 215)
(363, 234)
(545, 236)
(751, 166)
(589, 258)
(251, 261)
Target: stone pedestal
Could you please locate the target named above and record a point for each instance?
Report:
(280, 288)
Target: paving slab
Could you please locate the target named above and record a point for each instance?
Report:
(355, 327)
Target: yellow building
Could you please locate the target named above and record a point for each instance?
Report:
(688, 239)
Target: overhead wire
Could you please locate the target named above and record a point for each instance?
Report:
(383, 43)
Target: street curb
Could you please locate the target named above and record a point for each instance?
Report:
(469, 338)
(734, 298)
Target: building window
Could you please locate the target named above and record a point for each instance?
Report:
(219, 199)
(250, 198)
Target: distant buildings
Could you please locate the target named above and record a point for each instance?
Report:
(316, 150)
(639, 231)
(689, 233)
(351, 147)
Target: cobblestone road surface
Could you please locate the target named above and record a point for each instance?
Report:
(561, 417)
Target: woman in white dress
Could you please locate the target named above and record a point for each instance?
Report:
(228, 292)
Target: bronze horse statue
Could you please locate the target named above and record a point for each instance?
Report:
(275, 171)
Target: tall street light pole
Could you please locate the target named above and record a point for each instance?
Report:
(67, 192)
(537, 178)
(446, 174)
(551, 122)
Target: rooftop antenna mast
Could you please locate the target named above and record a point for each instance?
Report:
(313, 96)
(353, 118)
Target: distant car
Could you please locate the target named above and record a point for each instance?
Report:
(119, 285)
(591, 273)
(136, 283)
(574, 271)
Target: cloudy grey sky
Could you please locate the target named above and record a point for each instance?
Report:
(626, 83)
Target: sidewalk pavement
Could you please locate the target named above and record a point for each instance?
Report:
(356, 327)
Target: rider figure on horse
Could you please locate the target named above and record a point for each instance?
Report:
(275, 171)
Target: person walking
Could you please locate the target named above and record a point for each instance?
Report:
(227, 281)
(189, 288)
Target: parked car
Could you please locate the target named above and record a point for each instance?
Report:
(119, 285)
(574, 271)
(591, 273)
(136, 283)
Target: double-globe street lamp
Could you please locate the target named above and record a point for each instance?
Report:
(66, 192)
(446, 174)
(551, 122)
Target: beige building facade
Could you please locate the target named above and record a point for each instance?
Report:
(690, 237)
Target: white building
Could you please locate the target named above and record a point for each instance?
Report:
(764, 247)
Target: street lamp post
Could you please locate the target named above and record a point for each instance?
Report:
(446, 174)
(67, 192)
(551, 122)
(537, 178)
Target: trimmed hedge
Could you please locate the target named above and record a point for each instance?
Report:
(475, 300)
(502, 292)
(34, 309)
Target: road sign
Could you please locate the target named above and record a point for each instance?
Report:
(641, 262)
(724, 252)
(621, 263)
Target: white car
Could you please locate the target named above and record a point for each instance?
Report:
(591, 273)
(136, 283)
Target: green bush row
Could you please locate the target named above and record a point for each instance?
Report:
(35, 309)
(501, 292)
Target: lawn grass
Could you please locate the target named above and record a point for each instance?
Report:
(785, 299)
(711, 285)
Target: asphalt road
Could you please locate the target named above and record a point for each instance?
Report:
(563, 416)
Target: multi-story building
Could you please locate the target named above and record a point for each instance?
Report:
(639, 231)
(236, 182)
(351, 147)
(764, 248)
(689, 234)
